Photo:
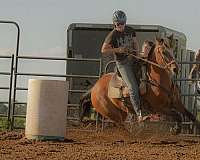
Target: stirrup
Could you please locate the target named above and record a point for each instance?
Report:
(140, 119)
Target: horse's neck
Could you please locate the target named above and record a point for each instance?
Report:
(156, 74)
(159, 76)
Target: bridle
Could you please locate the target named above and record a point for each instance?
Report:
(166, 60)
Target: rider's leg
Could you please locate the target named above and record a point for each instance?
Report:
(143, 83)
(128, 76)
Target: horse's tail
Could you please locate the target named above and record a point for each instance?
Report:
(180, 106)
(85, 103)
(191, 116)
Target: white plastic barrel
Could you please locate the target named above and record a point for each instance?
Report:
(46, 109)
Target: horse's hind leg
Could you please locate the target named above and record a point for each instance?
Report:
(190, 115)
(181, 108)
(176, 119)
(186, 113)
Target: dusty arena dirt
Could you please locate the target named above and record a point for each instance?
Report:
(112, 143)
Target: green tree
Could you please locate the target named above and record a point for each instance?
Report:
(3, 108)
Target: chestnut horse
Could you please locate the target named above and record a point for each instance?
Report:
(162, 95)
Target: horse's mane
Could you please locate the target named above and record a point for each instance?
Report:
(151, 52)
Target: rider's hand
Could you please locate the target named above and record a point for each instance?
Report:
(122, 50)
(190, 77)
(133, 51)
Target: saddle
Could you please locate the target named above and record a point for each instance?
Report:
(117, 88)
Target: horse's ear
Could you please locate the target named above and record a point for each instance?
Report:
(171, 40)
(157, 39)
(171, 36)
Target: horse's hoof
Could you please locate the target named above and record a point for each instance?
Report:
(176, 129)
(140, 119)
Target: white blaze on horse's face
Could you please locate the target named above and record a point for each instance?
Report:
(173, 67)
(173, 72)
(170, 61)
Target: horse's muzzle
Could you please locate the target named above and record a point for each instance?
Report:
(175, 70)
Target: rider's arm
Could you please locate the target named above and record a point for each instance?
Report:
(136, 45)
(194, 67)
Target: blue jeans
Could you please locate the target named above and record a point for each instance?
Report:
(126, 70)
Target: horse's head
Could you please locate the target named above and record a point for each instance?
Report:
(164, 54)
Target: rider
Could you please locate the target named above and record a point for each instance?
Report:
(195, 66)
(120, 41)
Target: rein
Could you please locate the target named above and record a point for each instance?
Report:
(165, 58)
(142, 59)
(137, 57)
(150, 62)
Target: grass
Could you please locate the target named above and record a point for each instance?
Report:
(198, 116)
(5, 124)
(19, 122)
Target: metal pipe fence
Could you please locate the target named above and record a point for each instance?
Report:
(12, 67)
(8, 88)
(70, 106)
(64, 75)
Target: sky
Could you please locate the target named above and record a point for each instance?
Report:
(43, 23)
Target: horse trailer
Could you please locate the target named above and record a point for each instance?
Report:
(84, 41)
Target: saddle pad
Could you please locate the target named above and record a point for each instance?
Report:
(114, 92)
(116, 81)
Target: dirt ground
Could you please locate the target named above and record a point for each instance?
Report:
(112, 143)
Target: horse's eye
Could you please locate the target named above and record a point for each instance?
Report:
(167, 54)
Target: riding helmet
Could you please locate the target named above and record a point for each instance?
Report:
(119, 16)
